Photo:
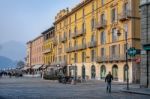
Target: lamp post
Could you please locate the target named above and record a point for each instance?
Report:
(126, 39)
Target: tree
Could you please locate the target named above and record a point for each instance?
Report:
(20, 64)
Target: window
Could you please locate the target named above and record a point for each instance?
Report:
(102, 19)
(102, 2)
(92, 6)
(125, 8)
(75, 57)
(83, 57)
(92, 24)
(113, 51)
(126, 29)
(92, 55)
(103, 38)
(113, 15)
(75, 16)
(103, 52)
(83, 41)
(83, 13)
(83, 27)
(114, 35)
(92, 38)
(69, 34)
(75, 29)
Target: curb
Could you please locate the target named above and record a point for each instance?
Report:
(136, 92)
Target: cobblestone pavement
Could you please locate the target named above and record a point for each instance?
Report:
(36, 88)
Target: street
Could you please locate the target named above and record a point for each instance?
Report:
(36, 88)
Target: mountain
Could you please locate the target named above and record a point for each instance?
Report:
(6, 62)
(13, 50)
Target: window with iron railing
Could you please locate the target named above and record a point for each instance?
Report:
(113, 15)
(83, 57)
(103, 38)
(92, 24)
(102, 2)
(114, 35)
(93, 55)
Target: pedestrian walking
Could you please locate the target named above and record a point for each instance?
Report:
(108, 80)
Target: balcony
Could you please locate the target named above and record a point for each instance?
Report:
(118, 58)
(63, 39)
(102, 59)
(82, 46)
(92, 44)
(78, 33)
(125, 15)
(101, 25)
(48, 50)
(54, 40)
(70, 49)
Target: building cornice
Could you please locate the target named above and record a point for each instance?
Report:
(80, 5)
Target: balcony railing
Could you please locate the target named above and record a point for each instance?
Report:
(118, 58)
(63, 39)
(82, 46)
(78, 33)
(70, 49)
(55, 41)
(125, 15)
(48, 50)
(101, 24)
(101, 59)
(92, 44)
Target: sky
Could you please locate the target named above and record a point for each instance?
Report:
(23, 20)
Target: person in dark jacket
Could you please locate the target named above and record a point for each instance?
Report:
(108, 80)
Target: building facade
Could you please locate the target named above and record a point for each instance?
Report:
(28, 57)
(88, 44)
(36, 51)
(145, 35)
(49, 46)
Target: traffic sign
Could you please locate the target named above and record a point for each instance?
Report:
(146, 47)
(132, 51)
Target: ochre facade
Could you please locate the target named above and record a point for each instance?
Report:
(88, 41)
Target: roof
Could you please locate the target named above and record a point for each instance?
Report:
(49, 29)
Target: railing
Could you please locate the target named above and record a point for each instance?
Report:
(100, 59)
(70, 49)
(92, 44)
(63, 39)
(125, 15)
(48, 50)
(118, 57)
(101, 24)
(78, 33)
(82, 46)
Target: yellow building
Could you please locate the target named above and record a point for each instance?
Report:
(88, 43)
(49, 46)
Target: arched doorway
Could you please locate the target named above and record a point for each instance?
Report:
(93, 72)
(83, 72)
(115, 72)
(102, 72)
(125, 72)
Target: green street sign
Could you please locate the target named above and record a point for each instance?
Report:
(146, 47)
(132, 51)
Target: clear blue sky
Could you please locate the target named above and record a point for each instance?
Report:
(23, 20)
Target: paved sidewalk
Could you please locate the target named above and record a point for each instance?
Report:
(142, 91)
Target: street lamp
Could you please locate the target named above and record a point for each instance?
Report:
(126, 39)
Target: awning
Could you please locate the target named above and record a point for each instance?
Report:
(36, 66)
(25, 68)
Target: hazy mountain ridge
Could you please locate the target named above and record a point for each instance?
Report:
(13, 50)
(6, 62)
